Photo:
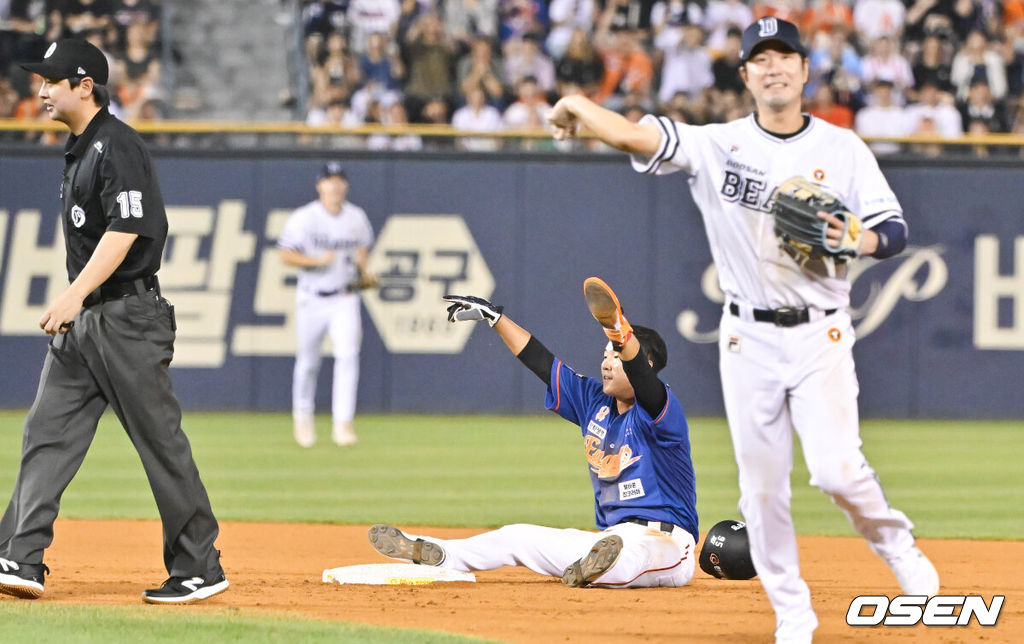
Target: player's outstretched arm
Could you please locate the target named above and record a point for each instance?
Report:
(519, 341)
(472, 308)
(572, 114)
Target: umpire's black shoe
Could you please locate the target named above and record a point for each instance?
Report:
(185, 590)
(22, 580)
(601, 557)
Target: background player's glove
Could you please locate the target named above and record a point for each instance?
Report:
(365, 280)
(468, 307)
(605, 308)
(802, 233)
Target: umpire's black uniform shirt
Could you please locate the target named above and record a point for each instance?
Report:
(109, 184)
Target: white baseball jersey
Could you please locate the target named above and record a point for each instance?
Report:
(735, 169)
(777, 379)
(313, 231)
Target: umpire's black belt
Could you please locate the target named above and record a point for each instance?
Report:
(664, 526)
(117, 290)
(785, 316)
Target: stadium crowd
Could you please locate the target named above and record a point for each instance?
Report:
(127, 31)
(885, 68)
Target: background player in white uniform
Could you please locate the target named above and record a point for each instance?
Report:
(786, 339)
(328, 240)
(637, 447)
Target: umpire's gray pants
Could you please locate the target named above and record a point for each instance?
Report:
(117, 353)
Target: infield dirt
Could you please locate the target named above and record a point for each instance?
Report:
(276, 569)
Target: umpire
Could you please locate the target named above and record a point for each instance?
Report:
(112, 344)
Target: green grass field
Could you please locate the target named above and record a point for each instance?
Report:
(954, 479)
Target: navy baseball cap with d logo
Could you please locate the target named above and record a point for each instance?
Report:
(770, 29)
(72, 58)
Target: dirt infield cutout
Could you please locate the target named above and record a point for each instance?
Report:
(276, 568)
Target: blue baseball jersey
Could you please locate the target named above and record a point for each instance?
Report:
(640, 466)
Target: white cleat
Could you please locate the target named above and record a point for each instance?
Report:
(305, 432)
(916, 574)
(343, 435)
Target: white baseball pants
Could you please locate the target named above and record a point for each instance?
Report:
(649, 558)
(314, 316)
(775, 380)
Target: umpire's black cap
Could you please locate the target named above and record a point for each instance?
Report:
(726, 551)
(771, 29)
(72, 58)
(332, 169)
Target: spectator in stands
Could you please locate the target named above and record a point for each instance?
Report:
(979, 127)
(937, 107)
(521, 18)
(429, 56)
(884, 60)
(834, 61)
(1013, 61)
(580, 68)
(477, 116)
(370, 16)
(394, 115)
(666, 13)
(481, 67)
(627, 66)
(725, 68)
(927, 17)
(926, 126)
(882, 118)
(630, 15)
(529, 108)
(722, 18)
(465, 20)
(967, 16)
(137, 69)
(568, 16)
(975, 59)
(686, 63)
(523, 57)
(380, 63)
(876, 19)
(1013, 17)
(823, 105)
(126, 12)
(81, 16)
(933, 66)
(790, 10)
(827, 16)
(335, 72)
(981, 106)
(321, 17)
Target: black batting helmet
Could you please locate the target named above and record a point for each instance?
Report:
(726, 551)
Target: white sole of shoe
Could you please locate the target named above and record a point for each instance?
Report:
(22, 588)
(203, 593)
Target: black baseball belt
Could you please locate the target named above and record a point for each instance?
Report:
(785, 316)
(664, 526)
(117, 290)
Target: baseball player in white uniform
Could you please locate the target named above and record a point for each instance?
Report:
(786, 339)
(328, 240)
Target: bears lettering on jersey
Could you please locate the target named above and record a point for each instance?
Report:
(747, 191)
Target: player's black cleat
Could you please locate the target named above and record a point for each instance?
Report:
(392, 542)
(22, 580)
(598, 561)
(185, 590)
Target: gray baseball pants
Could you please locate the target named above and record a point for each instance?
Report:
(117, 353)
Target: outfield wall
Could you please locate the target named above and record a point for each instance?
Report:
(941, 327)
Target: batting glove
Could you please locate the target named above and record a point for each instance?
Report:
(474, 309)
